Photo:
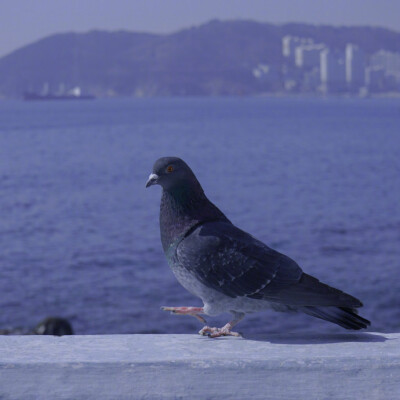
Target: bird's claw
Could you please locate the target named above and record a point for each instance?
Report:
(217, 332)
(171, 309)
(192, 311)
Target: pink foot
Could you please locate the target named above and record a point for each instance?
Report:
(217, 332)
(193, 311)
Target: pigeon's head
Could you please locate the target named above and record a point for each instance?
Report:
(171, 173)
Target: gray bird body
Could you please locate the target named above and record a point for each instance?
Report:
(227, 268)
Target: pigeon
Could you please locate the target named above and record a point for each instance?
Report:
(229, 269)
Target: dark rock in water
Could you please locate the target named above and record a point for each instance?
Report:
(53, 326)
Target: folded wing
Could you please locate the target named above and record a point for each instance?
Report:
(234, 263)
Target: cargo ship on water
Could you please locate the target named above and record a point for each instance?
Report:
(73, 94)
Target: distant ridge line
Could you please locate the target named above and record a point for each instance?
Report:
(215, 58)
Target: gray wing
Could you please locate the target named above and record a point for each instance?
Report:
(231, 261)
(234, 263)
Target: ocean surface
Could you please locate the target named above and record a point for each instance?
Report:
(318, 180)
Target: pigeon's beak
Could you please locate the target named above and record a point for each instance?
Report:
(153, 179)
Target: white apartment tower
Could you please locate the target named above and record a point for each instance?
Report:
(289, 44)
(355, 67)
(333, 72)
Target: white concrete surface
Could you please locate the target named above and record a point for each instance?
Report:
(346, 366)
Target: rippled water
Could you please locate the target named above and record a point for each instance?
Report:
(316, 179)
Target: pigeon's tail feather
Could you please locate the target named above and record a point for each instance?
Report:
(345, 317)
(309, 291)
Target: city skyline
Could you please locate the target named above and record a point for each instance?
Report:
(315, 67)
(23, 22)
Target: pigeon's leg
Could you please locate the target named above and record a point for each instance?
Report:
(193, 311)
(226, 330)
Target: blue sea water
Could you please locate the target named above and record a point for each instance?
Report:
(318, 180)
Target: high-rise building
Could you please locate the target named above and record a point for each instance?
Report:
(355, 67)
(390, 63)
(289, 44)
(332, 71)
(308, 55)
(387, 60)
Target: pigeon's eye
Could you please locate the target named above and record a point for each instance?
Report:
(170, 168)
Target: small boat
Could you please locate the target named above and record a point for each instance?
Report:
(73, 94)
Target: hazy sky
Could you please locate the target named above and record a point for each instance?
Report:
(24, 21)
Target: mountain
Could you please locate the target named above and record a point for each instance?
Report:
(216, 58)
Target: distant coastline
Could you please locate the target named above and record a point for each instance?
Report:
(254, 96)
(277, 95)
(261, 59)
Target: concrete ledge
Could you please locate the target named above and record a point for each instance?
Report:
(346, 366)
